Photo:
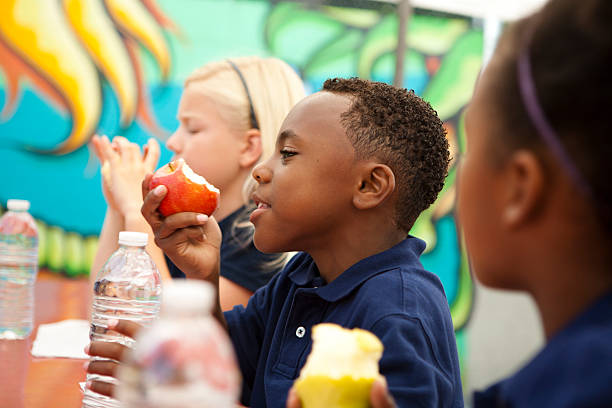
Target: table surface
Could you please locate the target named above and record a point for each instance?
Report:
(28, 382)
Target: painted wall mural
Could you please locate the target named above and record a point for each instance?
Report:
(73, 68)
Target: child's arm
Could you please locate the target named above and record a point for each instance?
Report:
(123, 169)
(192, 241)
(107, 242)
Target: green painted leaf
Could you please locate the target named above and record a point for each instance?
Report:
(337, 49)
(451, 88)
(462, 306)
(424, 229)
(75, 254)
(461, 136)
(434, 35)
(91, 246)
(426, 34)
(55, 248)
(354, 17)
(296, 34)
(42, 242)
(415, 71)
(380, 40)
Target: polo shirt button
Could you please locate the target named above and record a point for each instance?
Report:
(300, 332)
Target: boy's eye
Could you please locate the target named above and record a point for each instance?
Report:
(286, 153)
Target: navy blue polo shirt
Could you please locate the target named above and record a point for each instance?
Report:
(389, 294)
(573, 370)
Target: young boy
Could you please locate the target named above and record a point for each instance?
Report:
(355, 164)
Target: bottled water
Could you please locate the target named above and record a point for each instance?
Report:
(18, 270)
(128, 287)
(185, 359)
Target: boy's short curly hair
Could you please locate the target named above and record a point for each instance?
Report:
(404, 132)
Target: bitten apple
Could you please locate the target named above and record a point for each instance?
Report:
(187, 191)
(340, 369)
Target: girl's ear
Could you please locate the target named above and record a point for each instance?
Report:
(523, 189)
(251, 149)
(375, 184)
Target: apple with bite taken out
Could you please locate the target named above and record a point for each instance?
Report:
(187, 191)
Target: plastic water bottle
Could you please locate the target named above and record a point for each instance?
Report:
(18, 270)
(185, 359)
(128, 287)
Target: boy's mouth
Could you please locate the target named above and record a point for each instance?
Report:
(262, 206)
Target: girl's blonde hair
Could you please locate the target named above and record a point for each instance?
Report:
(274, 88)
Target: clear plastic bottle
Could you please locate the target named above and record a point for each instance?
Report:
(185, 359)
(128, 287)
(18, 270)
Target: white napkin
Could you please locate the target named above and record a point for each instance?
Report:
(65, 339)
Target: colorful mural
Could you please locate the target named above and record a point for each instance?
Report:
(76, 67)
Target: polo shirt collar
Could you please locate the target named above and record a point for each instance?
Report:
(406, 253)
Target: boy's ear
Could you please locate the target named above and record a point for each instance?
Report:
(524, 189)
(251, 148)
(376, 183)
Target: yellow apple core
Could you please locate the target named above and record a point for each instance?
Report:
(340, 369)
(323, 392)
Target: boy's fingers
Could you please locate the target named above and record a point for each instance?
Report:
(107, 349)
(103, 367)
(145, 184)
(191, 225)
(293, 401)
(125, 327)
(180, 236)
(151, 200)
(380, 396)
(102, 387)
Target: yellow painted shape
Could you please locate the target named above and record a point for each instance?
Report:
(133, 17)
(101, 39)
(38, 31)
(319, 391)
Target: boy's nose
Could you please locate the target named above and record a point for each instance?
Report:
(262, 173)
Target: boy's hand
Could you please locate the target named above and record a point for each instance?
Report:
(191, 240)
(114, 352)
(379, 397)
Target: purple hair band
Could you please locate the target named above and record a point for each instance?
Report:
(539, 121)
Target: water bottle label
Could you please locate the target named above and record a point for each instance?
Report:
(19, 240)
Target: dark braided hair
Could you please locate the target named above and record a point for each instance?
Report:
(570, 49)
(402, 131)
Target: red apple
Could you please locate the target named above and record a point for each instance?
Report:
(187, 191)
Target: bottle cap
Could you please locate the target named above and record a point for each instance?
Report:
(18, 205)
(132, 238)
(187, 297)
